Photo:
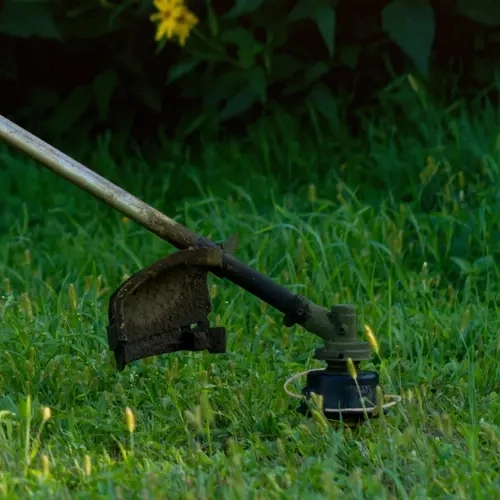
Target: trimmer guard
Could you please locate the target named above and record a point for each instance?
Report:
(164, 308)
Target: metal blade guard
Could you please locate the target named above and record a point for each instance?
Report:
(164, 308)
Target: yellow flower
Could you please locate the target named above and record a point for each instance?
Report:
(174, 19)
(186, 22)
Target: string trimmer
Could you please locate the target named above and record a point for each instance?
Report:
(164, 308)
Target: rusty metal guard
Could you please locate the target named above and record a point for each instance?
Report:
(164, 308)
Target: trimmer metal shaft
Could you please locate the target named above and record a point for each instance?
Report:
(88, 180)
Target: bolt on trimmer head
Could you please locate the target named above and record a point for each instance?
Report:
(164, 308)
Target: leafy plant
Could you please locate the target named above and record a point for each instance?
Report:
(242, 53)
(103, 65)
(411, 25)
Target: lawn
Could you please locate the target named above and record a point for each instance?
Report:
(314, 213)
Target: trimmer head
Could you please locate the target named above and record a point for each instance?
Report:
(164, 308)
(349, 394)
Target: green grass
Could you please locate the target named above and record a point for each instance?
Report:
(221, 426)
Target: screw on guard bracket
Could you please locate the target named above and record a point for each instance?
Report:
(154, 311)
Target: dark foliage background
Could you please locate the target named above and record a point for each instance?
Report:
(75, 66)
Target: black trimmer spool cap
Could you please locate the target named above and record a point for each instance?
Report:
(340, 390)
